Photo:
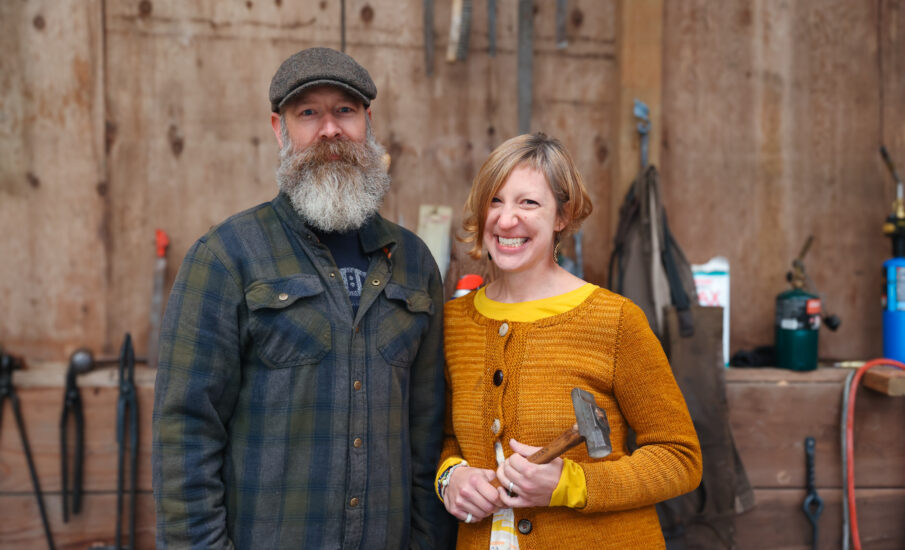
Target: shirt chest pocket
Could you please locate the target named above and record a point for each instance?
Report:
(288, 321)
(404, 317)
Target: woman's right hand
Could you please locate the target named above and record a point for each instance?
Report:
(470, 492)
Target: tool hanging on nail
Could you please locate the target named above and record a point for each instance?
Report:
(813, 504)
(8, 364)
(80, 362)
(561, 41)
(459, 31)
(126, 405)
(525, 55)
(162, 242)
(491, 28)
(428, 30)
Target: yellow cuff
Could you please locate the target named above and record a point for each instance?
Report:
(572, 489)
(451, 461)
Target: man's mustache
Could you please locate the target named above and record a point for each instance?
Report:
(327, 151)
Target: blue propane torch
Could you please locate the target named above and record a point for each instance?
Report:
(894, 273)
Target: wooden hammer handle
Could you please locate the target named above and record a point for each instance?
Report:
(568, 439)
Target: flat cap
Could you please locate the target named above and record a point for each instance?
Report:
(318, 67)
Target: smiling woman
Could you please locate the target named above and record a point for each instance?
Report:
(516, 349)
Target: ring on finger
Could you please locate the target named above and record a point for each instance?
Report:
(468, 518)
(510, 488)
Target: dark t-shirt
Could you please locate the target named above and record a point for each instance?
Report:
(350, 259)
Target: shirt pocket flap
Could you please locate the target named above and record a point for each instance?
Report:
(281, 293)
(416, 300)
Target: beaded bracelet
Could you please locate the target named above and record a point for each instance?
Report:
(443, 480)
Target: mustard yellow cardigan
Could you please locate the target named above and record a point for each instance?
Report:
(605, 346)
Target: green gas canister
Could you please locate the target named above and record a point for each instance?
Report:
(797, 326)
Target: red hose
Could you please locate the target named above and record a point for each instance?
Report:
(850, 444)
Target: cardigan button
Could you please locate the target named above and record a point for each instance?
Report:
(504, 328)
(495, 427)
(498, 378)
(524, 526)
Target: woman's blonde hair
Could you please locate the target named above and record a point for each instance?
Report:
(542, 153)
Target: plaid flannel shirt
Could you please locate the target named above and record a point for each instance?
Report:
(280, 421)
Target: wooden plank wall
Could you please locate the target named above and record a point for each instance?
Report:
(772, 411)
(155, 114)
(774, 113)
(121, 116)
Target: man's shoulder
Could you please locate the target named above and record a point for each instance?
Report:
(242, 221)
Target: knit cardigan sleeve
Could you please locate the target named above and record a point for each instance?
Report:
(667, 462)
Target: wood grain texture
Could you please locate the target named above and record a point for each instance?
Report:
(41, 410)
(778, 521)
(53, 250)
(771, 418)
(772, 114)
(95, 526)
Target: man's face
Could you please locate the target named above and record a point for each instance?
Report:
(322, 113)
(331, 167)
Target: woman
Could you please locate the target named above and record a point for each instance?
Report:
(514, 351)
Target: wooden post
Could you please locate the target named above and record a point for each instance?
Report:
(639, 53)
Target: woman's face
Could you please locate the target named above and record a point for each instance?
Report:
(521, 222)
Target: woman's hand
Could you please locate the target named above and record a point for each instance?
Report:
(531, 484)
(470, 492)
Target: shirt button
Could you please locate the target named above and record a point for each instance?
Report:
(356, 385)
(495, 427)
(498, 378)
(283, 296)
(524, 526)
(356, 442)
(504, 328)
(354, 502)
(332, 275)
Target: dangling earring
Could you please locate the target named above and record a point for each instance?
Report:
(489, 257)
(556, 253)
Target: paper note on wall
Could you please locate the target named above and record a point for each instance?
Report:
(711, 281)
(433, 227)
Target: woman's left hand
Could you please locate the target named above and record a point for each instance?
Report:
(531, 484)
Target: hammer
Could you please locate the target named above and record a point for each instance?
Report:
(591, 426)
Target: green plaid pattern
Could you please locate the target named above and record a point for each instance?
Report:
(280, 421)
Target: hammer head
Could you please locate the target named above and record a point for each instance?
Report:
(592, 423)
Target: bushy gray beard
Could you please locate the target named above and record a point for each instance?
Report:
(334, 194)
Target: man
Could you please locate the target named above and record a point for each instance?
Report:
(300, 393)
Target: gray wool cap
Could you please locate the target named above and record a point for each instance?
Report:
(317, 67)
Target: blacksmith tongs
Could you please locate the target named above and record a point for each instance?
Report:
(127, 404)
(80, 362)
(8, 363)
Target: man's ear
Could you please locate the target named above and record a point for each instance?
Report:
(275, 122)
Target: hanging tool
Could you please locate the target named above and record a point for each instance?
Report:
(126, 405)
(342, 26)
(459, 31)
(561, 8)
(525, 55)
(491, 28)
(642, 113)
(80, 362)
(162, 242)
(813, 504)
(428, 30)
(8, 364)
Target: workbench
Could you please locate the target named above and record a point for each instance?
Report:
(772, 411)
